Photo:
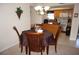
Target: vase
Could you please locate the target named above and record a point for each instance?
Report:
(19, 14)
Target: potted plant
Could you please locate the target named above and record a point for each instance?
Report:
(19, 11)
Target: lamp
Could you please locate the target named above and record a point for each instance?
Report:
(41, 10)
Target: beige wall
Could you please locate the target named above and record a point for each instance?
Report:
(35, 18)
(75, 23)
(8, 19)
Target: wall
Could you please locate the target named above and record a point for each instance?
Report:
(8, 19)
(35, 18)
(75, 22)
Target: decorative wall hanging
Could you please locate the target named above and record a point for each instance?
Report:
(19, 11)
(76, 15)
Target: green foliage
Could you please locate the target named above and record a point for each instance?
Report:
(19, 10)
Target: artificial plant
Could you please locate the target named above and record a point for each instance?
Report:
(19, 11)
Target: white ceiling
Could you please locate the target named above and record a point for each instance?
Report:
(50, 4)
(55, 6)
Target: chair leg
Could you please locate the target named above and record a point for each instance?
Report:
(47, 49)
(29, 51)
(21, 48)
(55, 48)
(26, 48)
(41, 52)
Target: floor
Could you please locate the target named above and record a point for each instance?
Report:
(64, 47)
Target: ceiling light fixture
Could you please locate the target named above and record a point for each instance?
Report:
(41, 10)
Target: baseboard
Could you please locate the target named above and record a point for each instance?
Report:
(8, 47)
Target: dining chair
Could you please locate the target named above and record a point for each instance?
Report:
(55, 30)
(35, 42)
(20, 40)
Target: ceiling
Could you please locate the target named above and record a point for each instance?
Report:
(62, 7)
(50, 4)
(55, 6)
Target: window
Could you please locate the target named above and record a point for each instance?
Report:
(50, 14)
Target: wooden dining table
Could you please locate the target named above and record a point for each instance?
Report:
(48, 37)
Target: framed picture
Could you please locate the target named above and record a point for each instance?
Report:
(75, 14)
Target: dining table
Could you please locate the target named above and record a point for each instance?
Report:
(47, 37)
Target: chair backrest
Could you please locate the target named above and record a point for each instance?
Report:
(16, 31)
(45, 20)
(35, 41)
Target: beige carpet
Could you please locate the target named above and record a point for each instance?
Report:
(64, 47)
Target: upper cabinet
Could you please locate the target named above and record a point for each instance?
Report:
(57, 13)
(63, 13)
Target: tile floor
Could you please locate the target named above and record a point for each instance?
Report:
(64, 47)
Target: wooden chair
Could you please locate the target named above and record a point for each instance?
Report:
(20, 40)
(55, 29)
(35, 42)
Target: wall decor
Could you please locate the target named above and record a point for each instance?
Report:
(75, 14)
(19, 11)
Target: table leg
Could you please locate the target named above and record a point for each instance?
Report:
(47, 48)
(26, 48)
